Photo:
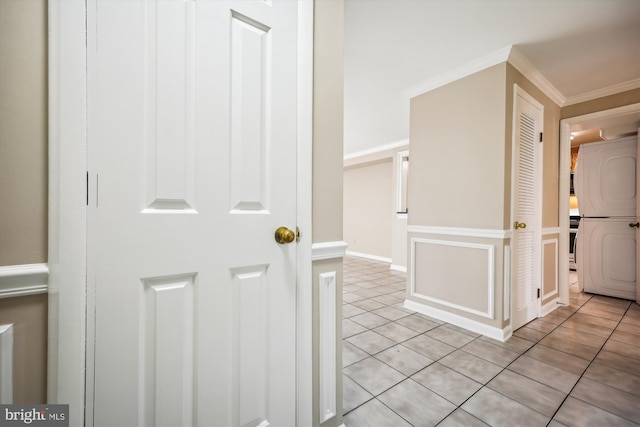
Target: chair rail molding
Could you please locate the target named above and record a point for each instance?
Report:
(460, 231)
(22, 280)
(328, 250)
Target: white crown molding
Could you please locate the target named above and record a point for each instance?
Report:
(22, 280)
(465, 70)
(459, 231)
(379, 149)
(328, 250)
(522, 64)
(605, 91)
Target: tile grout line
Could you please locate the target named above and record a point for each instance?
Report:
(588, 366)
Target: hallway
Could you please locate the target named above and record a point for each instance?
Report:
(578, 366)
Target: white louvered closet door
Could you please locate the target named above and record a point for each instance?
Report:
(526, 207)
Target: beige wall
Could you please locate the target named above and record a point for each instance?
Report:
(327, 121)
(327, 175)
(458, 179)
(23, 182)
(461, 147)
(368, 207)
(457, 176)
(23, 132)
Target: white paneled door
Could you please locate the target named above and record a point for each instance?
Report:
(526, 207)
(192, 168)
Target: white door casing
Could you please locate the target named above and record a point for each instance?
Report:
(637, 225)
(625, 115)
(192, 142)
(526, 207)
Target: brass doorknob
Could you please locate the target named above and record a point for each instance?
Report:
(517, 225)
(284, 235)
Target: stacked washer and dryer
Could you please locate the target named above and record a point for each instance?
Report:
(605, 183)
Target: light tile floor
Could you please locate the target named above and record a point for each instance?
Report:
(578, 366)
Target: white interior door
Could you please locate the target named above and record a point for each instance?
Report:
(526, 207)
(192, 154)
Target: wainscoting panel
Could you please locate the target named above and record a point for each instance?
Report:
(6, 364)
(327, 313)
(460, 274)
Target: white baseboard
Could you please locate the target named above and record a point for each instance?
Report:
(22, 280)
(369, 256)
(463, 322)
(549, 307)
(401, 268)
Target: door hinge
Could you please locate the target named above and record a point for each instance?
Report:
(538, 293)
(540, 137)
(298, 234)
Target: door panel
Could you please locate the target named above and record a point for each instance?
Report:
(607, 257)
(605, 178)
(527, 154)
(192, 153)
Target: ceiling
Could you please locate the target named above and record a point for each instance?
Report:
(394, 49)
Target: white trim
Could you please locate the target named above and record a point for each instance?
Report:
(526, 68)
(563, 200)
(378, 149)
(506, 291)
(328, 250)
(400, 155)
(458, 73)
(549, 307)
(602, 92)
(304, 288)
(6, 364)
(555, 289)
(550, 230)
(490, 276)
(369, 256)
(401, 268)
(327, 344)
(402, 216)
(67, 206)
(22, 280)
(464, 322)
(460, 231)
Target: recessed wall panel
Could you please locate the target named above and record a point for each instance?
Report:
(454, 274)
(169, 107)
(250, 346)
(327, 315)
(167, 351)
(250, 115)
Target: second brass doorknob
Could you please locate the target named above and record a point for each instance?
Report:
(517, 225)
